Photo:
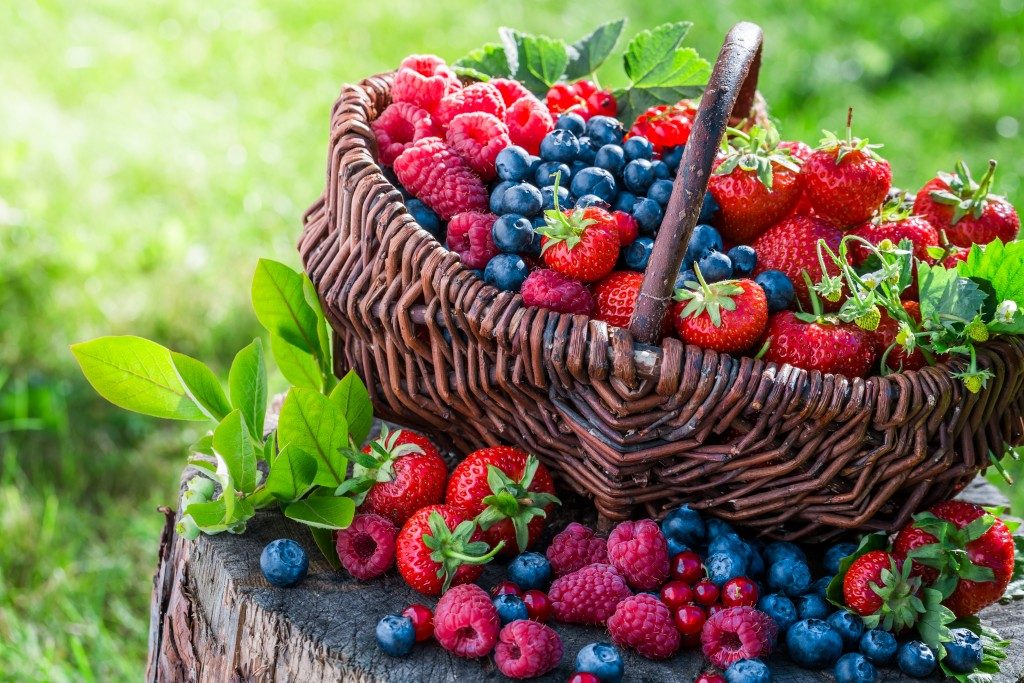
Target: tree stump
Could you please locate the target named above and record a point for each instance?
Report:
(214, 618)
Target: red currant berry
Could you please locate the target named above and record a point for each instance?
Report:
(602, 103)
(739, 592)
(705, 593)
(562, 97)
(675, 594)
(710, 677)
(584, 88)
(690, 620)
(628, 230)
(422, 621)
(687, 567)
(506, 588)
(584, 677)
(538, 606)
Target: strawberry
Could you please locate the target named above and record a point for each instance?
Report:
(615, 297)
(893, 355)
(728, 316)
(508, 491)
(582, 243)
(972, 563)
(791, 246)
(883, 591)
(846, 180)
(666, 125)
(966, 210)
(895, 223)
(817, 342)
(755, 184)
(397, 474)
(439, 547)
(798, 150)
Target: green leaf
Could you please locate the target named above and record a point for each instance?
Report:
(483, 63)
(834, 591)
(933, 626)
(208, 515)
(354, 400)
(1002, 265)
(232, 443)
(323, 330)
(202, 385)
(314, 423)
(247, 380)
(291, 473)
(590, 51)
(281, 306)
(298, 367)
(202, 446)
(138, 375)
(536, 61)
(324, 539)
(945, 295)
(322, 512)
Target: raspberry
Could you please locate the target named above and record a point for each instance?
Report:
(469, 235)
(576, 546)
(550, 289)
(434, 173)
(465, 622)
(738, 633)
(644, 623)
(476, 97)
(400, 125)
(527, 649)
(528, 122)
(478, 137)
(423, 80)
(367, 547)
(640, 553)
(510, 89)
(588, 595)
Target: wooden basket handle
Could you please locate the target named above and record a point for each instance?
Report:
(730, 91)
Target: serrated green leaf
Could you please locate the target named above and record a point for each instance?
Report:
(933, 625)
(485, 62)
(590, 51)
(664, 72)
(202, 385)
(537, 61)
(324, 539)
(314, 423)
(945, 295)
(281, 307)
(291, 473)
(298, 367)
(232, 443)
(247, 380)
(1001, 264)
(354, 400)
(322, 512)
(138, 375)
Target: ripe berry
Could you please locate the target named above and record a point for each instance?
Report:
(690, 620)
(595, 181)
(638, 175)
(530, 570)
(780, 608)
(737, 633)
(528, 122)
(398, 127)
(571, 122)
(465, 622)
(964, 651)
(456, 190)
(605, 130)
(879, 646)
(778, 289)
(705, 593)
(744, 260)
(584, 677)
(527, 649)
(611, 158)
(627, 226)
(637, 254)
(550, 289)
(855, 668)
(639, 551)
(366, 547)
(645, 624)
(710, 677)
(813, 644)
(511, 90)
(506, 272)
(547, 171)
(587, 596)
(675, 594)
(513, 163)
(395, 635)
(750, 671)
(478, 138)
(849, 626)
(688, 568)
(703, 239)
(538, 606)
(638, 147)
(603, 660)
(602, 103)
(510, 608)
(512, 233)
(284, 563)
(739, 592)
(715, 266)
(660, 191)
(523, 199)
(590, 200)
(575, 547)
(506, 588)
(559, 145)
(916, 659)
(422, 621)
(548, 195)
(648, 214)
(427, 219)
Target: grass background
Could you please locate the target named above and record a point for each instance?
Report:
(151, 151)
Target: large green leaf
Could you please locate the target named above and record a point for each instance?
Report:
(536, 61)
(291, 473)
(203, 386)
(298, 367)
(485, 62)
(351, 396)
(590, 51)
(281, 307)
(323, 331)
(314, 423)
(660, 71)
(136, 374)
(945, 296)
(231, 442)
(247, 380)
(322, 512)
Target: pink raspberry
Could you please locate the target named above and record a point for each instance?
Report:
(465, 622)
(737, 633)
(528, 121)
(367, 547)
(400, 125)
(588, 595)
(424, 80)
(474, 97)
(576, 546)
(434, 173)
(645, 624)
(478, 137)
(511, 90)
(640, 553)
(469, 235)
(527, 649)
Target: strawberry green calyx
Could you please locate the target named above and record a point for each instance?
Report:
(708, 298)
(948, 553)
(452, 549)
(755, 151)
(844, 146)
(560, 227)
(964, 194)
(377, 465)
(513, 500)
(901, 605)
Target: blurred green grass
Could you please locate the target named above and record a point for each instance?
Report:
(150, 152)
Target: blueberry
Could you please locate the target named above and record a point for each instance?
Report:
(535, 161)
(660, 191)
(715, 266)
(963, 652)
(683, 524)
(591, 200)
(636, 256)
(611, 159)
(813, 644)
(624, 201)
(854, 668)
(661, 170)
(638, 175)
(835, 554)
(748, 671)
(724, 543)
(724, 566)
(587, 151)
(530, 570)
(780, 608)
(506, 271)
(812, 606)
(703, 239)
(510, 608)
(546, 172)
(878, 646)
(648, 214)
(743, 258)
(675, 546)
(513, 163)
(777, 551)
(596, 181)
(395, 635)
(512, 233)
(605, 130)
(820, 586)
(559, 145)
(715, 527)
(708, 208)
(522, 198)
(601, 659)
(571, 122)
(684, 276)
(916, 659)
(283, 562)
(755, 563)
(427, 219)
(849, 626)
(548, 196)
(778, 289)
(477, 272)
(535, 242)
(672, 156)
(576, 167)
(790, 577)
(497, 200)
(638, 147)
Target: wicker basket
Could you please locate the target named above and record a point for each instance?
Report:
(638, 428)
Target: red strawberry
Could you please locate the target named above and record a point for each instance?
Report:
(966, 210)
(884, 337)
(846, 180)
(954, 255)
(973, 563)
(666, 125)
(728, 316)
(882, 591)
(582, 243)
(819, 343)
(755, 184)
(398, 474)
(508, 491)
(799, 150)
(792, 247)
(615, 297)
(896, 223)
(439, 547)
